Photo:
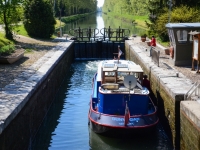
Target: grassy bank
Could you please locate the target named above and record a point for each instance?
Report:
(21, 31)
(72, 18)
(139, 20)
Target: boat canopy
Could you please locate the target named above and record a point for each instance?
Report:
(113, 70)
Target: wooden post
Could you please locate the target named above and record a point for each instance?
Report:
(196, 49)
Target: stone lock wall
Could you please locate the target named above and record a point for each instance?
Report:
(168, 107)
(190, 130)
(19, 134)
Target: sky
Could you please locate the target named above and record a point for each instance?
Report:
(100, 3)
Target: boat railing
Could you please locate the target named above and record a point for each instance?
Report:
(114, 87)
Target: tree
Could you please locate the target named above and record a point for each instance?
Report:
(179, 14)
(39, 19)
(10, 14)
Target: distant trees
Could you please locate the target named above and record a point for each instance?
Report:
(159, 12)
(134, 7)
(39, 15)
(71, 7)
(163, 11)
(39, 20)
(179, 14)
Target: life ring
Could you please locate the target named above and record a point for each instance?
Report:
(171, 52)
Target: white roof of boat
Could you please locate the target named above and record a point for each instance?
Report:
(121, 66)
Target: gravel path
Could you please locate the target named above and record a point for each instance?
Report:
(35, 49)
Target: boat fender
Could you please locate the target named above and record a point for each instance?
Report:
(96, 108)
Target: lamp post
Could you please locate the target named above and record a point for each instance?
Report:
(54, 5)
(170, 6)
(60, 25)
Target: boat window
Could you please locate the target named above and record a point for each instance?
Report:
(109, 73)
(122, 73)
(182, 36)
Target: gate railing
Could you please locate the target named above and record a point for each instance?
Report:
(104, 34)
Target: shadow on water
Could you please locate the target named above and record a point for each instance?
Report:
(51, 120)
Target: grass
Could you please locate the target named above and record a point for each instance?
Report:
(139, 20)
(21, 30)
(58, 24)
(27, 50)
(4, 41)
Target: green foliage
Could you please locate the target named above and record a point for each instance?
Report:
(21, 30)
(133, 7)
(185, 14)
(73, 18)
(39, 20)
(4, 41)
(7, 49)
(28, 50)
(179, 14)
(72, 7)
(6, 46)
(10, 14)
(143, 34)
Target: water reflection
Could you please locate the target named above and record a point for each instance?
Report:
(149, 141)
(100, 21)
(66, 124)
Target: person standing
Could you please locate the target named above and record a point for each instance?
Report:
(153, 41)
(153, 44)
(146, 82)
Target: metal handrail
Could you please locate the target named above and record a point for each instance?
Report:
(193, 89)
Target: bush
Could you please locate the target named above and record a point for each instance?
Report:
(7, 49)
(39, 20)
(6, 46)
(178, 15)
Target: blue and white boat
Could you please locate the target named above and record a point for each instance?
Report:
(118, 100)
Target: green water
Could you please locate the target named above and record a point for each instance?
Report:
(100, 21)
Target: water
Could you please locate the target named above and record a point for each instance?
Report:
(66, 125)
(100, 21)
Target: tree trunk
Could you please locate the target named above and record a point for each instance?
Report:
(7, 30)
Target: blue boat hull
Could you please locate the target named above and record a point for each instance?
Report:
(101, 123)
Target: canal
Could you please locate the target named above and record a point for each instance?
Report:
(100, 21)
(66, 125)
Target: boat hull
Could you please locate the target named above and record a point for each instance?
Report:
(101, 123)
(110, 131)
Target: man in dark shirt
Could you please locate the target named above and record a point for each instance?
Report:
(146, 82)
